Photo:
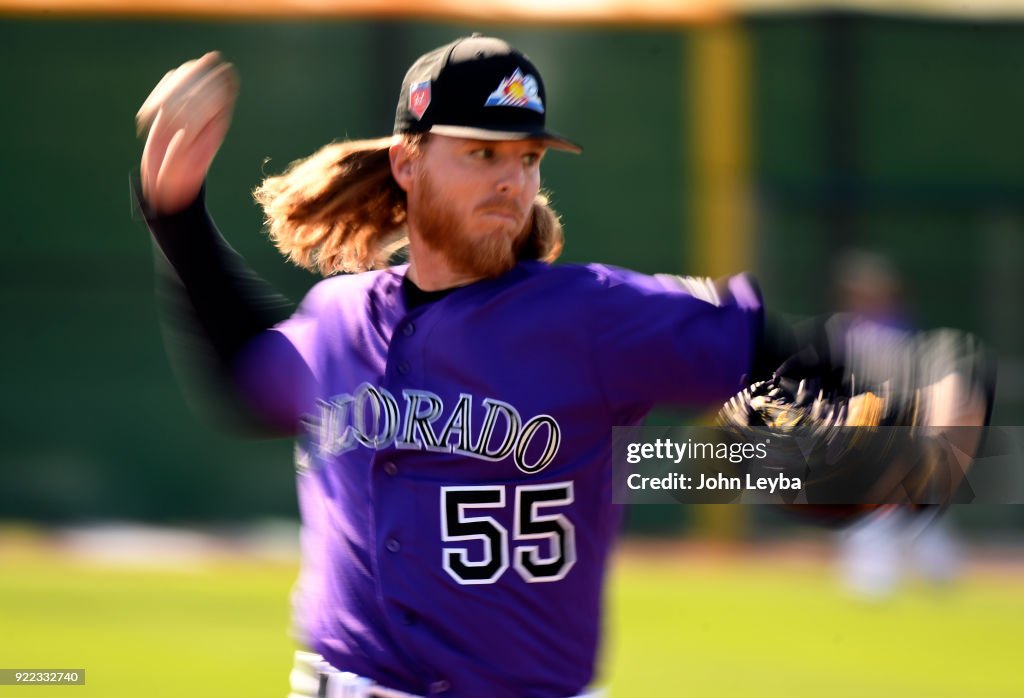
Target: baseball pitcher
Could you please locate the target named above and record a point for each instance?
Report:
(453, 413)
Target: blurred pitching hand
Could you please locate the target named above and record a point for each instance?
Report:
(187, 116)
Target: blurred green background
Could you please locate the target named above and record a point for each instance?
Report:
(687, 622)
(895, 134)
(898, 135)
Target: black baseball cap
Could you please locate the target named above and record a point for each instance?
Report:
(476, 87)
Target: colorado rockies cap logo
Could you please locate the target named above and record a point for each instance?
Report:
(517, 90)
(419, 98)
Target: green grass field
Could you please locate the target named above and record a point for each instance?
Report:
(682, 623)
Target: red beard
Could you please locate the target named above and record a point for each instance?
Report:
(481, 255)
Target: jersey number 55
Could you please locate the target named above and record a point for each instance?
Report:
(534, 522)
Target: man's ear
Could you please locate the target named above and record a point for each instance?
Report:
(403, 164)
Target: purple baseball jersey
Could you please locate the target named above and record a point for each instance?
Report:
(454, 470)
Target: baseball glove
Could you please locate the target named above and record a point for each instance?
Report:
(876, 417)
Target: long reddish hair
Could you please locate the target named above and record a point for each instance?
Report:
(341, 210)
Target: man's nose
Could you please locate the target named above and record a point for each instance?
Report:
(512, 179)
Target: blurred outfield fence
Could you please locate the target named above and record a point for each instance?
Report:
(837, 129)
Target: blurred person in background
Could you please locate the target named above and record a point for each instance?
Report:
(877, 551)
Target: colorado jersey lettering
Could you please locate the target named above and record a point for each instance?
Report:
(372, 418)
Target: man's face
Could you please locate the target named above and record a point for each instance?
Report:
(472, 200)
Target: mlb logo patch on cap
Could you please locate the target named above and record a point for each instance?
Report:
(419, 98)
(517, 90)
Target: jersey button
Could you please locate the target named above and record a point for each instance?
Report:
(409, 618)
(403, 368)
(393, 545)
(409, 329)
(439, 687)
(390, 468)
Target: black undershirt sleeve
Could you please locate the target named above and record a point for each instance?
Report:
(231, 303)
(778, 339)
(782, 337)
(213, 304)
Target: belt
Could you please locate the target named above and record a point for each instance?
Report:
(314, 677)
(345, 684)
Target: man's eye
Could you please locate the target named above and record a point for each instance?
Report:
(483, 154)
(531, 158)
